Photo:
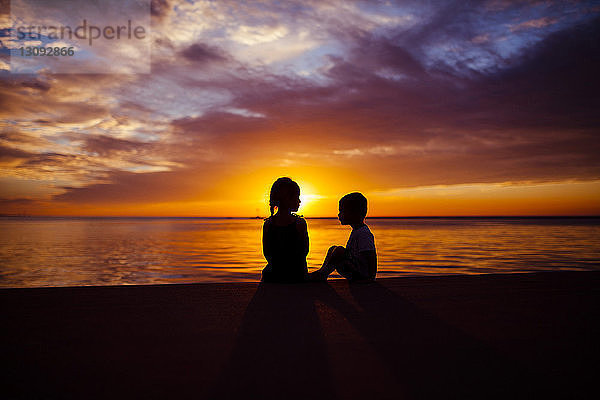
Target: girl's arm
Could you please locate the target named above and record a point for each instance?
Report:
(303, 230)
(266, 241)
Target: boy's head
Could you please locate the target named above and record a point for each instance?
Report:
(353, 208)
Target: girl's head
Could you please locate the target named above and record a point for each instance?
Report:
(285, 195)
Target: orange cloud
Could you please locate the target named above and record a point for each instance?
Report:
(534, 23)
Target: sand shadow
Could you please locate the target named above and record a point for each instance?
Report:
(279, 351)
(428, 357)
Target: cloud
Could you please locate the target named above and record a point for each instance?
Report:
(251, 35)
(481, 38)
(8, 155)
(160, 8)
(203, 54)
(127, 187)
(428, 95)
(534, 23)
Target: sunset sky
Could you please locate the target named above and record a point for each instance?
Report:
(428, 108)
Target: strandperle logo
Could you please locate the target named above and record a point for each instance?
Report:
(85, 36)
(82, 32)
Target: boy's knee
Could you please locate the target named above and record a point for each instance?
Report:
(339, 251)
(345, 270)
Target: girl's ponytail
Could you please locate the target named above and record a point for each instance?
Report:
(272, 208)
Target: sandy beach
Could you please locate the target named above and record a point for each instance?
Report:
(480, 336)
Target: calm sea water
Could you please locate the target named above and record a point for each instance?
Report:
(38, 252)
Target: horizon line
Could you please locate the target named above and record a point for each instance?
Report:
(311, 217)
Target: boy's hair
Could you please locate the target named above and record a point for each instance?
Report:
(282, 187)
(356, 202)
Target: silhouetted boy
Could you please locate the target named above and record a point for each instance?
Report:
(358, 261)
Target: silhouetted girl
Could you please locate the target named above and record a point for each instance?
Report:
(285, 237)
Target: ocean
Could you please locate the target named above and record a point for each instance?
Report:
(66, 251)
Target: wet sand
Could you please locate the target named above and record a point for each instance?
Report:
(484, 336)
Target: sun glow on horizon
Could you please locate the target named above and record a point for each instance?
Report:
(252, 199)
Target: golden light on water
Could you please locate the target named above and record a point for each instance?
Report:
(59, 252)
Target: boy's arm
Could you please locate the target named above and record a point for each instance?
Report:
(368, 260)
(367, 255)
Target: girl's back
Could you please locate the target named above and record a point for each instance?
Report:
(286, 247)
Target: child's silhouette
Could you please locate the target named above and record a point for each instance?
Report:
(358, 261)
(285, 236)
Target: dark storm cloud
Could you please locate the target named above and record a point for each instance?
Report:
(25, 97)
(139, 187)
(552, 85)
(557, 83)
(160, 8)
(203, 54)
(105, 145)
(36, 84)
(49, 159)
(540, 114)
(8, 154)
(21, 201)
(222, 124)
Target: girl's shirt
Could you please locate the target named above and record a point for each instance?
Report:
(285, 248)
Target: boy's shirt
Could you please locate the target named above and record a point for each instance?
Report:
(360, 239)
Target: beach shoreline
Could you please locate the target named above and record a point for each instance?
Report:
(485, 336)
